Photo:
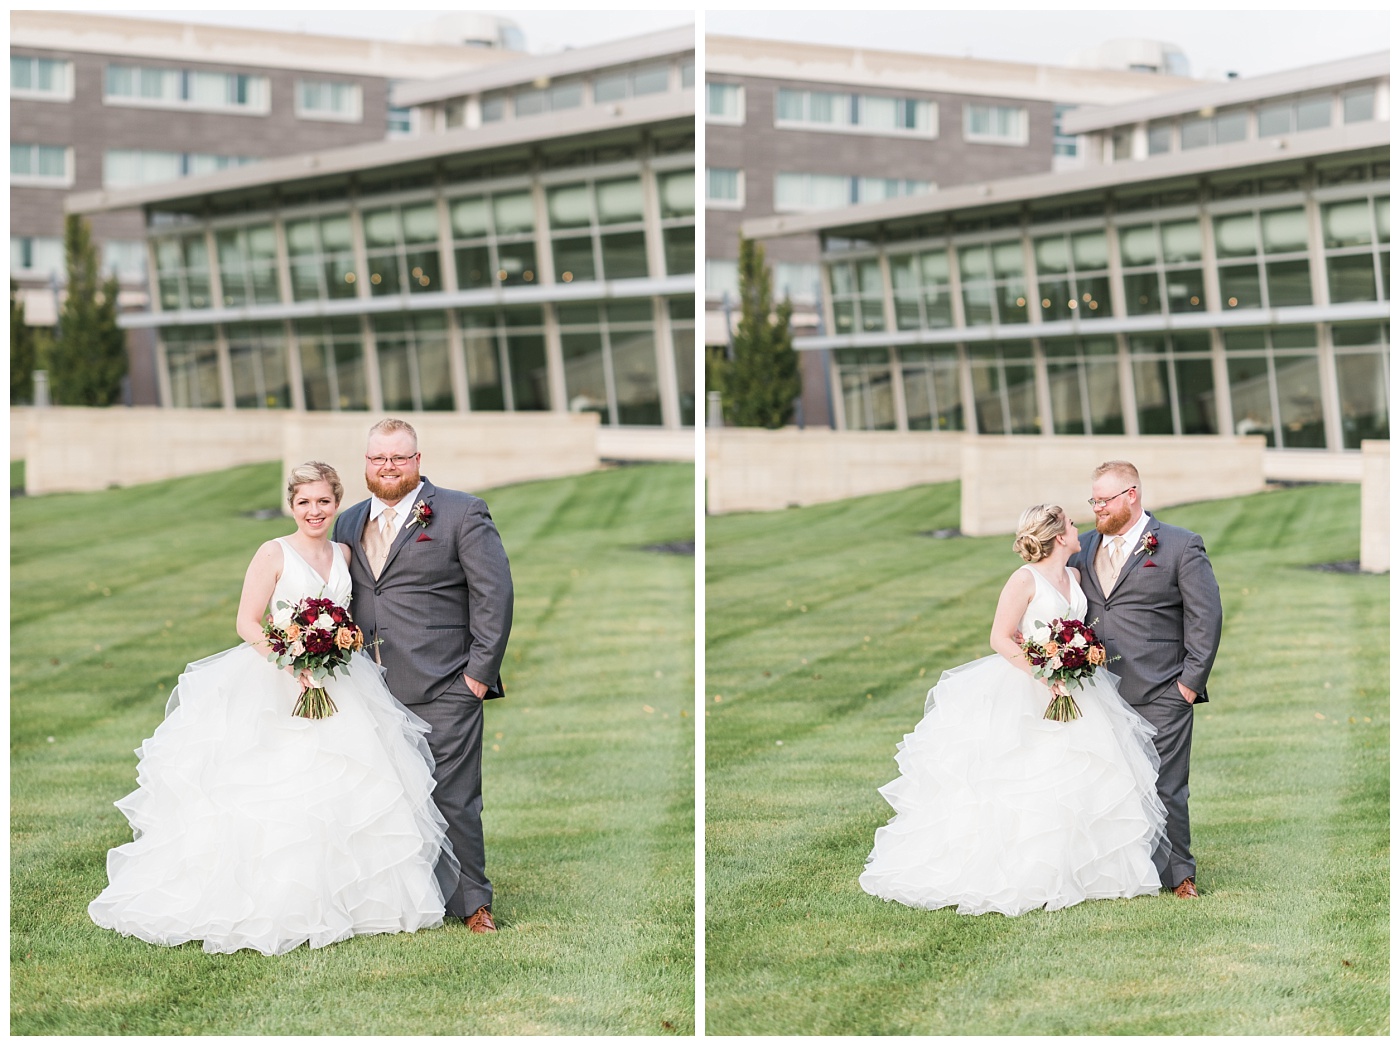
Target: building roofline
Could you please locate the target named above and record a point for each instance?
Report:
(175, 41)
(547, 67)
(396, 152)
(893, 70)
(1171, 166)
(1231, 92)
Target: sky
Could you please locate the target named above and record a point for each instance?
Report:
(1249, 43)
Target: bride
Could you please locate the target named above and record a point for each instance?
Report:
(257, 829)
(998, 809)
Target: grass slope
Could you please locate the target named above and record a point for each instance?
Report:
(588, 771)
(826, 626)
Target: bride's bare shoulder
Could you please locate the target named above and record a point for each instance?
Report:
(1020, 582)
(344, 551)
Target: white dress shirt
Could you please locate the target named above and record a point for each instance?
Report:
(402, 510)
(1132, 537)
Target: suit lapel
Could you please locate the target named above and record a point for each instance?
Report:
(1089, 549)
(359, 516)
(1136, 556)
(407, 531)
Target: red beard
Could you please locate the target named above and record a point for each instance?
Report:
(391, 490)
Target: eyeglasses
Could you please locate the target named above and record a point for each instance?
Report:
(398, 460)
(1101, 502)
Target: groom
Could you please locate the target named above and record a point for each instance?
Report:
(432, 590)
(1153, 593)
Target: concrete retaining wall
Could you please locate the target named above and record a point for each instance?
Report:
(76, 448)
(755, 470)
(1003, 475)
(1375, 505)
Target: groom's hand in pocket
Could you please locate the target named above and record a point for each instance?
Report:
(1187, 692)
(477, 688)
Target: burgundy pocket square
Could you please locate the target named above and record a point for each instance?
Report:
(424, 537)
(1145, 562)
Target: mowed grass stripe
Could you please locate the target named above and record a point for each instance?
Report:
(589, 796)
(1290, 786)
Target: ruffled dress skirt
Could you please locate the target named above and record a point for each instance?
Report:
(998, 809)
(257, 829)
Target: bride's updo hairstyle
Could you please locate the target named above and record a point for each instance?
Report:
(1037, 530)
(314, 472)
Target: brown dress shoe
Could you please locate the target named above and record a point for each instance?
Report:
(480, 921)
(1187, 888)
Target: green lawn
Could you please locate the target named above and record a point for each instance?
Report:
(825, 627)
(589, 778)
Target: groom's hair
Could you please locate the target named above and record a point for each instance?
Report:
(1121, 468)
(389, 425)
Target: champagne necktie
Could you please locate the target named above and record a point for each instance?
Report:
(1115, 561)
(382, 539)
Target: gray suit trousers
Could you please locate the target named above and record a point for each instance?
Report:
(456, 718)
(1173, 717)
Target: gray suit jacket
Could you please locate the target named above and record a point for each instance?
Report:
(442, 605)
(1163, 618)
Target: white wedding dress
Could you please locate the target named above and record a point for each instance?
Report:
(258, 829)
(998, 809)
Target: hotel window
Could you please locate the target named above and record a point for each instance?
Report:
(676, 190)
(332, 353)
(688, 74)
(401, 249)
(37, 255)
(996, 124)
(631, 83)
(724, 188)
(682, 314)
(993, 283)
(1262, 259)
(724, 103)
(532, 101)
(493, 240)
(1221, 129)
(1362, 354)
(932, 389)
(721, 278)
(1274, 385)
(1159, 138)
(150, 85)
(826, 110)
(329, 100)
(412, 350)
(1162, 263)
(1296, 114)
(182, 272)
(1359, 104)
(923, 296)
(1072, 276)
(1065, 144)
(857, 295)
(192, 361)
(867, 388)
(123, 167)
(41, 165)
(799, 283)
(506, 365)
(493, 108)
(1084, 392)
(1003, 388)
(598, 231)
(124, 259)
(610, 361)
(400, 121)
(1174, 383)
(248, 265)
(322, 258)
(41, 79)
(794, 191)
(1356, 241)
(257, 354)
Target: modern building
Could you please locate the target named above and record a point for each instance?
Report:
(531, 248)
(103, 102)
(1219, 264)
(800, 128)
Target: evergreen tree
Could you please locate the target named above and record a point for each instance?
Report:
(23, 348)
(89, 354)
(759, 385)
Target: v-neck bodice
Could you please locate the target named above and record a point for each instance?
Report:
(299, 578)
(1049, 603)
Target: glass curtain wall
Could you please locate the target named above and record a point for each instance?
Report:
(332, 354)
(192, 357)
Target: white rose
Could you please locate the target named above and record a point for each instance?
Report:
(324, 621)
(282, 618)
(1041, 635)
(1078, 640)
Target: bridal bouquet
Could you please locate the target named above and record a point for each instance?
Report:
(314, 635)
(1066, 652)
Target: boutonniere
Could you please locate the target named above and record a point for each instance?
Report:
(423, 515)
(1149, 543)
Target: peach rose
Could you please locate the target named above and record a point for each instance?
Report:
(344, 638)
(293, 632)
(1097, 655)
(1052, 648)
